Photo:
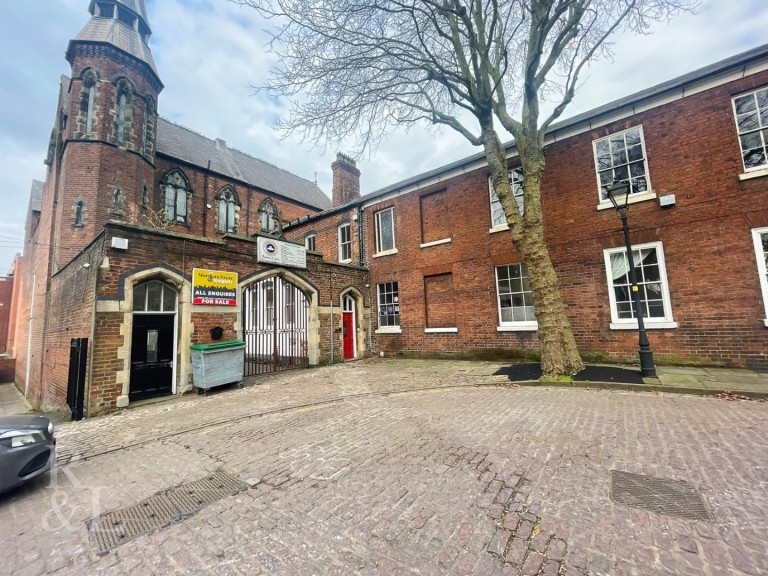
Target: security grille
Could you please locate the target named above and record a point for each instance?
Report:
(275, 317)
(160, 510)
(661, 495)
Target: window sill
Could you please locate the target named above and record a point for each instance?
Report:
(347, 261)
(435, 243)
(765, 322)
(498, 228)
(389, 330)
(519, 327)
(440, 330)
(754, 174)
(648, 325)
(385, 253)
(633, 199)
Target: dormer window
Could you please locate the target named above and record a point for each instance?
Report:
(126, 17)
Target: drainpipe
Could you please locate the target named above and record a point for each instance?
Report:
(330, 275)
(205, 200)
(29, 336)
(360, 248)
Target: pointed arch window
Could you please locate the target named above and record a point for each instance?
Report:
(154, 296)
(89, 101)
(124, 92)
(227, 204)
(268, 216)
(146, 138)
(177, 194)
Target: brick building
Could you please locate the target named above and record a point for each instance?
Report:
(445, 277)
(133, 204)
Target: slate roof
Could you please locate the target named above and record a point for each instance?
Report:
(183, 144)
(112, 31)
(36, 196)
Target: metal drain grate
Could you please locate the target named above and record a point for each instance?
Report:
(112, 529)
(661, 495)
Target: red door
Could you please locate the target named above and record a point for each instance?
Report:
(349, 336)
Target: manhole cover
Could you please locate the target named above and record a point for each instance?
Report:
(661, 495)
(112, 529)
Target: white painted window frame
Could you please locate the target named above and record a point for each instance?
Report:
(507, 325)
(649, 194)
(516, 178)
(631, 323)
(380, 251)
(342, 243)
(761, 267)
(762, 169)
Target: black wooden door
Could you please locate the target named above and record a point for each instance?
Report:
(151, 356)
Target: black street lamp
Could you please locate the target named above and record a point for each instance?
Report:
(618, 194)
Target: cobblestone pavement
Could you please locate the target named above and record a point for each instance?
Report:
(405, 467)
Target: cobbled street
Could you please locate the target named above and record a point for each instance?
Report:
(403, 467)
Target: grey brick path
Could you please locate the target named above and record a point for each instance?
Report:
(406, 468)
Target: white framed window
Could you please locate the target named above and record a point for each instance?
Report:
(514, 298)
(310, 242)
(760, 239)
(385, 231)
(621, 156)
(498, 218)
(345, 243)
(388, 298)
(651, 276)
(751, 112)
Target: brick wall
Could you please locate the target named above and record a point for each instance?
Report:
(692, 152)
(6, 296)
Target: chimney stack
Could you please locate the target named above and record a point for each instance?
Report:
(346, 180)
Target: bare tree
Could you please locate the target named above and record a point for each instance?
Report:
(361, 67)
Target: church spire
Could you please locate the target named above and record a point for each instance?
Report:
(119, 23)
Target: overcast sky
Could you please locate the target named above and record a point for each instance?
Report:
(208, 53)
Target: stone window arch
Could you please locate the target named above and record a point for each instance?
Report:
(88, 108)
(124, 110)
(117, 204)
(227, 208)
(176, 197)
(268, 216)
(148, 130)
(78, 213)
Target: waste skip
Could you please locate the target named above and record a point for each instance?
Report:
(217, 364)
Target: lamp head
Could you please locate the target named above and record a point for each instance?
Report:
(618, 193)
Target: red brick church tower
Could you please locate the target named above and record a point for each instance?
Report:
(104, 152)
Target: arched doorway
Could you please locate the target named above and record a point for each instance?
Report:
(349, 324)
(275, 321)
(153, 340)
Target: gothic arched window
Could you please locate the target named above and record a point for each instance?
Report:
(124, 92)
(176, 194)
(268, 216)
(88, 105)
(146, 139)
(226, 203)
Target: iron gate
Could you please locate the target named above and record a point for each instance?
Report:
(78, 361)
(275, 326)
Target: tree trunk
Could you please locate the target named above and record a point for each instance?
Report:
(559, 354)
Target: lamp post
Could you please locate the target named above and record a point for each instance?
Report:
(618, 194)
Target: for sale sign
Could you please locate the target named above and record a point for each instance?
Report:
(214, 287)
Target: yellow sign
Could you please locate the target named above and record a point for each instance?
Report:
(214, 287)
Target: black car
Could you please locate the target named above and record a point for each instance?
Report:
(27, 449)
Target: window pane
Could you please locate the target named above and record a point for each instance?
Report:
(181, 206)
(514, 294)
(139, 298)
(154, 294)
(385, 231)
(745, 103)
(748, 121)
(169, 299)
